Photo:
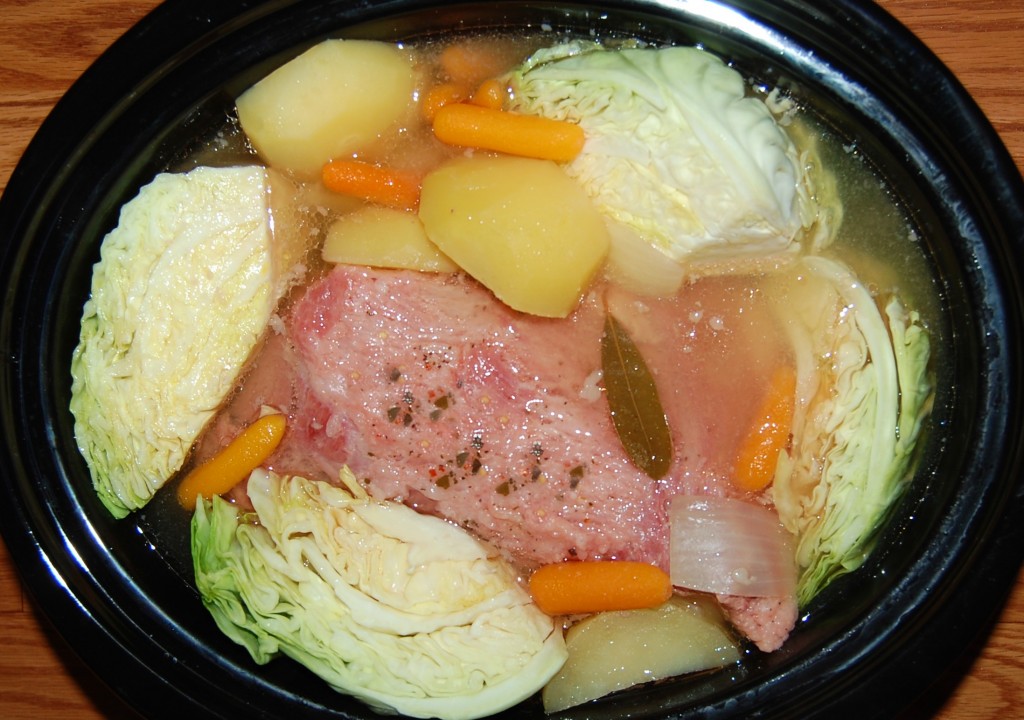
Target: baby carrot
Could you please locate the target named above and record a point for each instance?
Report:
(470, 62)
(234, 463)
(383, 186)
(769, 434)
(490, 94)
(439, 96)
(571, 588)
(526, 135)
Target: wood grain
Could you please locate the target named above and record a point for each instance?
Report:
(46, 44)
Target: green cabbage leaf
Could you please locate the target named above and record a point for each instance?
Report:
(180, 297)
(407, 612)
(680, 153)
(864, 390)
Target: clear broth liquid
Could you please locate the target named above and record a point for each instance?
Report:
(876, 237)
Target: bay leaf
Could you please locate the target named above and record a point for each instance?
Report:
(636, 409)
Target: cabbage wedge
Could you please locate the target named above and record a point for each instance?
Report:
(183, 291)
(864, 390)
(404, 611)
(680, 154)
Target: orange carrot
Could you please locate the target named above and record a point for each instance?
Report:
(570, 588)
(769, 434)
(384, 186)
(527, 135)
(234, 463)
(490, 94)
(439, 96)
(470, 62)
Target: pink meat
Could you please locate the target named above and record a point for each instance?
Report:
(767, 621)
(437, 396)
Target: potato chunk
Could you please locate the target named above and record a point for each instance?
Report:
(329, 102)
(615, 650)
(520, 226)
(383, 237)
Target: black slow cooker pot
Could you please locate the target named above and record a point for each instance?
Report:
(867, 647)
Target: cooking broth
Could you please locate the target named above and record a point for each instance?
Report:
(727, 340)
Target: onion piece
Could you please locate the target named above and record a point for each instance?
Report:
(730, 547)
(637, 265)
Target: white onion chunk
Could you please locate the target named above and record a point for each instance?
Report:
(730, 547)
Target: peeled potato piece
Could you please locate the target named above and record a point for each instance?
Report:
(329, 102)
(520, 226)
(615, 650)
(383, 237)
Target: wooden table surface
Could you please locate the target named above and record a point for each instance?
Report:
(46, 44)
